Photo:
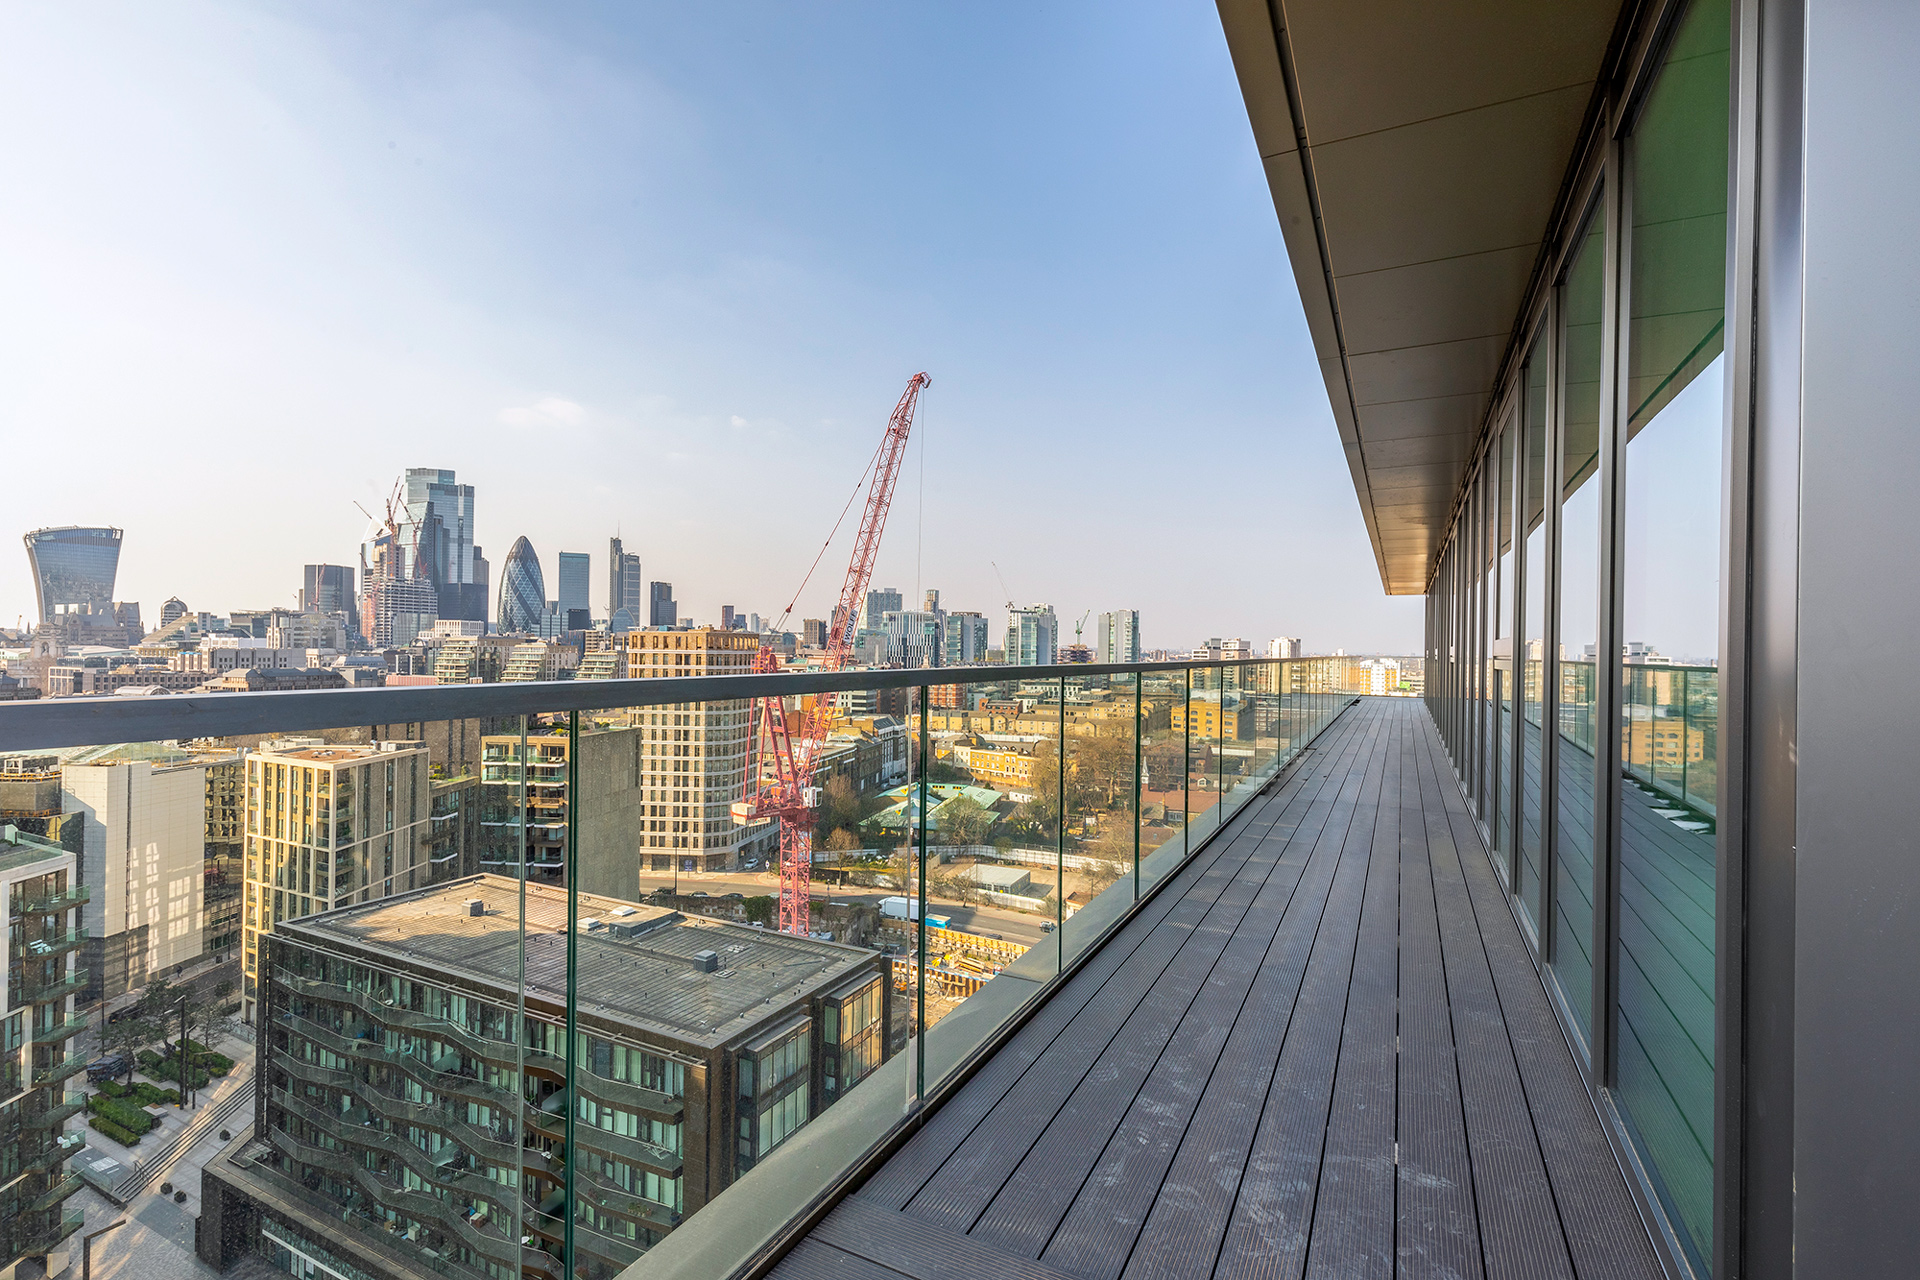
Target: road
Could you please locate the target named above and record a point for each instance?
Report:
(1014, 926)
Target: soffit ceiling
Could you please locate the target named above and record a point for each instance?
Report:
(1437, 140)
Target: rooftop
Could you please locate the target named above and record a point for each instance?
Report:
(637, 963)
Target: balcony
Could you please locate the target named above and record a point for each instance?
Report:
(37, 1241)
(55, 942)
(54, 1194)
(63, 1030)
(68, 984)
(1324, 1038)
(58, 1152)
(67, 1106)
(65, 1069)
(78, 895)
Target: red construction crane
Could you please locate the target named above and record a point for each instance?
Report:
(781, 766)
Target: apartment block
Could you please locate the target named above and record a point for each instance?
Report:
(694, 754)
(329, 824)
(701, 1047)
(533, 792)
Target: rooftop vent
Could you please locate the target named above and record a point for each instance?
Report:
(621, 911)
(475, 907)
(706, 961)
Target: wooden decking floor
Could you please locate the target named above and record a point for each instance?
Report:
(1321, 1051)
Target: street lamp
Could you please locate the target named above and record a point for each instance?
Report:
(86, 1247)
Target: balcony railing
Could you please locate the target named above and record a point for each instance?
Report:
(1125, 768)
(65, 1069)
(54, 943)
(36, 991)
(78, 895)
(62, 1109)
(63, 1030)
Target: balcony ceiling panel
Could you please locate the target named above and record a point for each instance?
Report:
(1437, 138)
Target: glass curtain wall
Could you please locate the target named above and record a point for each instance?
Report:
(1531, 658)
(1502, 675)
(1674, 392)
(1582, 320)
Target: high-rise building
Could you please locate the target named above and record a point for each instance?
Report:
(600, 819)
(662, 609)
(576, 577)
(441, 1160)
(42, 893)
(1284, 647)
(966, 639)
(172, 611)
(327, 825)
(73, 569)
(813, 633)
(694, 755)
(325, 588)
(1117, 636)
(915, 639)
(881, 602)
(143, 850)
(727, 619)
(523, 590)
(440, 542)
(1032, 636)
(626, 605)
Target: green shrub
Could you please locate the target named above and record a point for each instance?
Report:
(123, 1114)
(114, 1131)
(146, 1058)
(152, 1095)
(169, 1069)
(114, 1089)
(218, 1063)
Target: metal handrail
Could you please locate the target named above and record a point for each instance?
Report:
(45, 723)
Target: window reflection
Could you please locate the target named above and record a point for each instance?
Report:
(1533, 593)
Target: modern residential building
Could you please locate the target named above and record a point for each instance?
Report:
(144, 857)
(662, 610)
(540, 660)
(529, 809)
(1117, 636)
(329, 824)
(440, 524)
(523, 591)
(73, 569)
(694, 755)
(1033, 636)
(447, 1150)
(966, 640)
(40, 884)
(1284, 647)
(626, 599)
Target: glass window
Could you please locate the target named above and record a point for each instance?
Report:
(1670, 595)
(1533, 640)
(1502, 792)
(1581, 310)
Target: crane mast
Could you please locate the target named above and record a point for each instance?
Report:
(781, 765)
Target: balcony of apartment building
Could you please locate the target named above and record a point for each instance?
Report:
(1593, 961)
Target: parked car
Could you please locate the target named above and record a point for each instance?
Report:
(109, 1067)
(1046, 926)
(736, 896)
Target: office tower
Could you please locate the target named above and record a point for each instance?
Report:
(439, 537)
(694, 757)
(329, 824)
(40, 885)
(881, 602)
(1032, 636)
(626, 604)
(966, 639)
(727, 618)
(932, 600)
(662, 609)
(673, 1099)
(576, 573)
(523, 590)
(325, 588)
(1117, 636)
(144, 852)
(73, 569)
(915, 639)
(172, 611)
(813, 633)
(1284, 647)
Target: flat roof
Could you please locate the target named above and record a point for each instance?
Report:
(648, 979)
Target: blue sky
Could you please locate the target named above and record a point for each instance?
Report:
(665, 270)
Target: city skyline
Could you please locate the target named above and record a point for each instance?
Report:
(584, 265)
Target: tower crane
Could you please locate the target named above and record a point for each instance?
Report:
(781, 766)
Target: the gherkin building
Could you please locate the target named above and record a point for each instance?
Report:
(523, 591)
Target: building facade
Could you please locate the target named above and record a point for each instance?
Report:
(523, 591)
(694, 755)
(662, 609)
(414, 1092)
(1033, 636)
(328, 824)
(38, 1063)
(440, 516)
(626, 594)
(1117, 636)
(73, 569)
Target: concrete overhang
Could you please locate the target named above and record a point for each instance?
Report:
(1417, 154)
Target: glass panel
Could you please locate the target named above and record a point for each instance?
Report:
(1503, 668)
(1206, 711)
(1163, 784)
(1670, 586)
(1582, 301)
(1533, 593)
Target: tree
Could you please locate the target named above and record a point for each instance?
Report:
(1103, 761)
(759, 910)
(839, 805)
(965, 820)
(842, 841)
(133, 1032)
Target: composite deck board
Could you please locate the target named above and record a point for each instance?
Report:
(1323, 1050)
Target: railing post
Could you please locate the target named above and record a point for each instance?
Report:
(572, 874)
(1186, 770)
(1060, 844)
(920, 968)
(1138, 681)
